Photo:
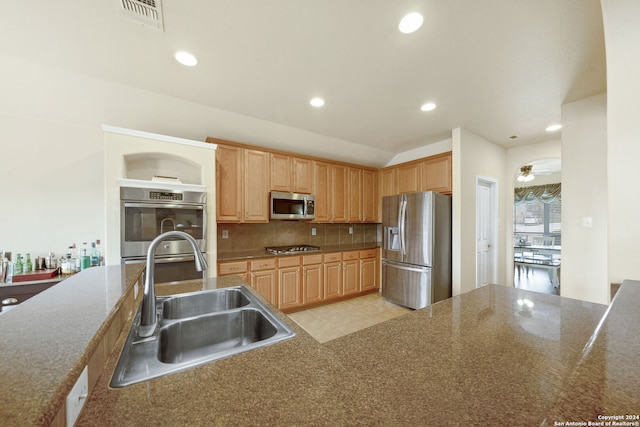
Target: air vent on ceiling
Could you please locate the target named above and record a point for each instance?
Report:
(145, 12)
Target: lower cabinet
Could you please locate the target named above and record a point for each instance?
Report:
(312, 279)
(293, 282)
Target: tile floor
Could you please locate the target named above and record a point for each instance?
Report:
(331, 321)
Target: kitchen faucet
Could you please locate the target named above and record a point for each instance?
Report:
(148, 317)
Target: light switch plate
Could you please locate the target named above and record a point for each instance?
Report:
(313, 231)
(225, 234)
(587, 222)
(77, 397)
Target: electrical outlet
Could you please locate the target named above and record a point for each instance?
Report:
(350, 230)
(313, 231)
(77, 397)
(225, 234)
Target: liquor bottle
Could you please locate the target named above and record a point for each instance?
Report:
(17, 265)
(95, 255)
(85, 258)
(28, 265)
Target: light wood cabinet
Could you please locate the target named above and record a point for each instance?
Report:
(408, 176)
(280, 172)
(256, 188)
(370, 198)
(263, 278)
(350, 273)
(435, 174)
(332, 276)
(369, 270)
(302, 175)
(338, 182)
(322, 187)
(388, 182)
(241, 196)
(354, 195)
(229, 191)
(289, 283)
(312, 283)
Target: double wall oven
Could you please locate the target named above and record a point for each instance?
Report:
(146, 213)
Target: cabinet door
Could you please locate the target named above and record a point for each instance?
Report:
(302, 175)
(368, 274)
(229, 192)
(338, 193)
(369, 196)
(280, 171)
(290, 287)
(322, 180)
(354, 195)
(256, 188)
(388, 182)
(436, 174)
(265, 283)
(332, 280)
(408, 177)
(350, 277)
(312, 285)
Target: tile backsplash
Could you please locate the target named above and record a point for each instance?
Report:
(281, 233)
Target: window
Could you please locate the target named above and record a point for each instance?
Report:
(537, 219)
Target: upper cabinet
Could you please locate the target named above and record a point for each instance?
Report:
(428, 174)
(343, 192)
(240, 196)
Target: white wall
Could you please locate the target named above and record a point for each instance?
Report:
(622, 38)
(584, 194)
(516, 157)
(474, 156)
(52, 156)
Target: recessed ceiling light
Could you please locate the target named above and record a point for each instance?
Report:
(186, 58)
(428, 106)
(410, 23)
(317, 102)
(553, 128)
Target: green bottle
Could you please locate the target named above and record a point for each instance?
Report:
(17, 266)
(28, 265)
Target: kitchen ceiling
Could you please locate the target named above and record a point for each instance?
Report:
(498, 68)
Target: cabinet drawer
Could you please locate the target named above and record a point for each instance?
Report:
(312, 259)
(290, 261)
(263, 264)
(368, 253)
(232, 268)
(333, 257)
(351, 255)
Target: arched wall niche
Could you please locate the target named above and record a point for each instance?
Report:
(145, 166)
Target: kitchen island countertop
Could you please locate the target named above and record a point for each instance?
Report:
(492, 356)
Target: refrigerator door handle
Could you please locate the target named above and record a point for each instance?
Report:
(406, 267)
(401, 225)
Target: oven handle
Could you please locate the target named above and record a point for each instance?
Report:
(162, 205)
(159, 260)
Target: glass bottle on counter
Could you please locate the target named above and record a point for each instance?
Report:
(95, 255)
(28, 265)
(17, 265)
(85, 258)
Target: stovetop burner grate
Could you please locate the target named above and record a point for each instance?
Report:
(284, 250)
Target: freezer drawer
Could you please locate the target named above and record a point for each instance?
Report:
(407, 285)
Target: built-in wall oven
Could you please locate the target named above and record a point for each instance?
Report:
(146, 213)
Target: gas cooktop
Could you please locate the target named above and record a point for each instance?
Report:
(287, 250)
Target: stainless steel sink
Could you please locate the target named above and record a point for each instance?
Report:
(198, 328)
(194, 304)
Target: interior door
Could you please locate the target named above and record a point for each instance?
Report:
(486, 216)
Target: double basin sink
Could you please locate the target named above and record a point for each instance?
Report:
(198, 328)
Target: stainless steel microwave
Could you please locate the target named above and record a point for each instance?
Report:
(292, 206)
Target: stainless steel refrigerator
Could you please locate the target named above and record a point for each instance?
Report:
(416, 248)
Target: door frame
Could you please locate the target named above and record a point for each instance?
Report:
(492, 184)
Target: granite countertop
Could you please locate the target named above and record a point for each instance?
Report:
(46, 341)
(493, 356)
(261, 253)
